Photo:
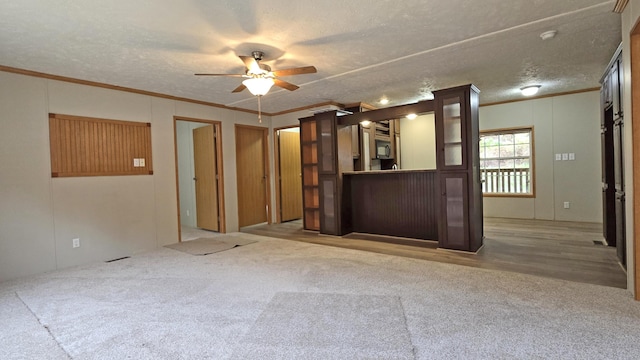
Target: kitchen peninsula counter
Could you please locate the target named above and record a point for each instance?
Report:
(399, 203)
(375, 172)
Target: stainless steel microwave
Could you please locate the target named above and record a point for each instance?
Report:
(383, 149)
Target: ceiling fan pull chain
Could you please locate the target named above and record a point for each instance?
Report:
(259, 110)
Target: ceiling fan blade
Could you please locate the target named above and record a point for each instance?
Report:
(285, 85)
(251, 64)
(232, 75)
(296, 71)
(239, 88)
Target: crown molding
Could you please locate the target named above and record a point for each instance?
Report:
(119, 88)
(620, 6)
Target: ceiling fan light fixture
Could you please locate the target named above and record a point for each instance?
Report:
(259, 86)
(530, 90)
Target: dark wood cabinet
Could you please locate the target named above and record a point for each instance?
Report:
(458, 163)
(326, 124)
(334, 156)
(454, 229)
(451, 132)
(612, 142)
(329, 199)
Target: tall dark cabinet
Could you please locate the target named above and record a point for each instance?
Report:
(310, 188)
(458, 163)
(612, 142)
(333, 157)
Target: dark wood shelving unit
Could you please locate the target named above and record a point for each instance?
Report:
(310, 189)
(326, 154)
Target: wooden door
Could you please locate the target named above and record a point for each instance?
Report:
(252, 175)
(204, 159)
(290, 176)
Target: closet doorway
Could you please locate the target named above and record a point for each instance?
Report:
(199, 177)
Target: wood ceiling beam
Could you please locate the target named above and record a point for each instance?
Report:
(394, 112)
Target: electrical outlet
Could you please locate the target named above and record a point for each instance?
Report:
(566, 205)
(142, 162)
(558, 157)
(565, 156)
(188, 213)
(136, 162)
(572, 156)
(76, 243)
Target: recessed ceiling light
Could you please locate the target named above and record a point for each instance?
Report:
(530, 90)
(412, 116)
(365, 122)
(548, 34)
(384, 101)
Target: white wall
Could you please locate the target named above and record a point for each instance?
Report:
(562, 124)
(113, 216)
(418, 142)
(27, 243)
(290, 119)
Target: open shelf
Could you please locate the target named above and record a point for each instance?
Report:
(310, 190)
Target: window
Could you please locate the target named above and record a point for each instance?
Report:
(506, 162)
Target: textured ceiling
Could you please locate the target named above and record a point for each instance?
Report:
(363, 49)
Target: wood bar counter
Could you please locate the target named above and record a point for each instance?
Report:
(443, 205)
(399, 203)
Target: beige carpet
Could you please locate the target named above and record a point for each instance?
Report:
(279, 299)
(206, 246)
(302, 325)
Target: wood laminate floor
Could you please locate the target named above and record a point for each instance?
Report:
(555, 249)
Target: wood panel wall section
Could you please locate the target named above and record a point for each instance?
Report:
(84, 146)
(396, 203)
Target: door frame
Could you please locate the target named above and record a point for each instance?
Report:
(276, 165)
(217, 136)
(267, 172)
(635, 140)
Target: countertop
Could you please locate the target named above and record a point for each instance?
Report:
(378, 172)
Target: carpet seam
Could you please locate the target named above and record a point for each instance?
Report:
(44, 326)
(406, 325)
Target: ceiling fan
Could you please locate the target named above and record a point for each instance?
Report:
(260, 77)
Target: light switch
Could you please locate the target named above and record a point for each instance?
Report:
(558, 157)
(572, 156)
(142, 162)
(136, 162)
(565, 156)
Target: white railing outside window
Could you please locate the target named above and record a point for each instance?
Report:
(506, 161)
